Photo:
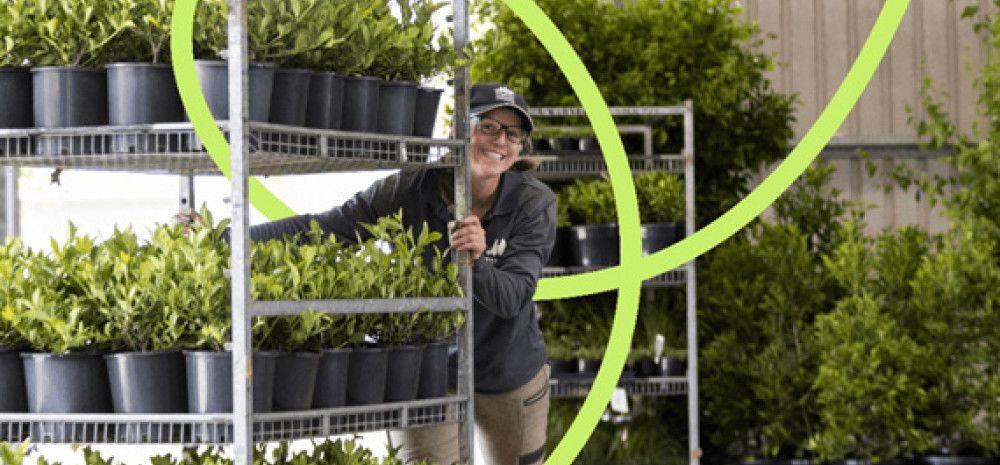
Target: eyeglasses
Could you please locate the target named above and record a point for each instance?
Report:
(492, 127)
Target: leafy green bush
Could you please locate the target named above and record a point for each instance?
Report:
(18, 33)
(653, 52)
(50, 312)
(148, 38)
(591, 201)
(14, 260)
(75, 33)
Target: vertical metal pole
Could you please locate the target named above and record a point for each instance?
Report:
(12, 203)
(463, 202)
(186, 198)
(692, 288)
(243, 447)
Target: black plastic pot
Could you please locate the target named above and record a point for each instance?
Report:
(15, 97)
(403, 375)
(12, 393)
(67, 96)
(587, 366)
(593, 245)
(434, 371)
(143, 93)
(565, 144)
(658, 236)
(290, 96)
(210, 381)
(326, 101)
(65, 383)
(213, 76)
(540, 145)
(331, 379)
(673, 366)
(646, 367)
(559, 255)
(425, 112)
(397, 102)
(295, 381)
(366, 376)
(561, 368)
(361, 104)
(589, 145)
(147, 382)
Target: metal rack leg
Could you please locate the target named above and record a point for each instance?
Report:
(12, 215)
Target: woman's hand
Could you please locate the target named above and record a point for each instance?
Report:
(468, 236)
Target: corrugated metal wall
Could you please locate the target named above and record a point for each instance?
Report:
(816, 41)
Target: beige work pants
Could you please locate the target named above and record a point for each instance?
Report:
(510, 429)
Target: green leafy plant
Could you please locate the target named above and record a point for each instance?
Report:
(660, 196)
(50, 312)
(13, 455)
(591, 201)
(148, 40)
(18, 33)
(291, 32)
(77, 32)
(14, 260)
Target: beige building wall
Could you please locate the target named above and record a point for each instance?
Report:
(816, 41)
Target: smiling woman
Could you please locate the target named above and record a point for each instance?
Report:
(516, 215)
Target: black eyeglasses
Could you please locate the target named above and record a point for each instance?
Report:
(492, 127)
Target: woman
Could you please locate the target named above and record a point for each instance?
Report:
(509, 234)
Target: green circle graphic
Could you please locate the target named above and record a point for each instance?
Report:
(634, 268)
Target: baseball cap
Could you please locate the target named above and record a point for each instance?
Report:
(486, 97)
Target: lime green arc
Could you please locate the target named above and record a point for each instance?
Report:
(182, 56)
(639, 267)
(764, 195)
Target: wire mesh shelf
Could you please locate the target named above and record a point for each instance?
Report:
(579, 386)
(675, 277)
(564, 167)
(615, 111)
(174, 148)
(218, 428)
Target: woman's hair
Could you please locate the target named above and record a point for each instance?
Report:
(525, 164)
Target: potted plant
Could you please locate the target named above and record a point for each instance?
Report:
(298, 338)
(593, 238)
(54, 318)
(327, 90)
(141, 87)
(661, 209)
(210, 42)
(125, 284)
(14, 258)
(434, 330)
(366, 43)
(15, 76)
(70, 89)
(304, 31)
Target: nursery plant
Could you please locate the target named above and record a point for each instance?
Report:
(51, 313)
(77, 33)
(148, 39)
(18, 32)
(277, 31)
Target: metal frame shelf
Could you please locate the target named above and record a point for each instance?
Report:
(563, 168)
(259, 149)
(218, 428)
(675, 277)
(174, 148)
(579, 386)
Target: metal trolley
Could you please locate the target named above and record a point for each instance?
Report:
(256, 149)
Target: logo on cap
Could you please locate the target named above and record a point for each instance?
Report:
(505, 94)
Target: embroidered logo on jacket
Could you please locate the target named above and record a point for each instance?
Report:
(496, 250)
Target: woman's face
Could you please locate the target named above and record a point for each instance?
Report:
(492, 155)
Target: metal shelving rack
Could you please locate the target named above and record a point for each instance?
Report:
(256, 149)
(565, 166)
